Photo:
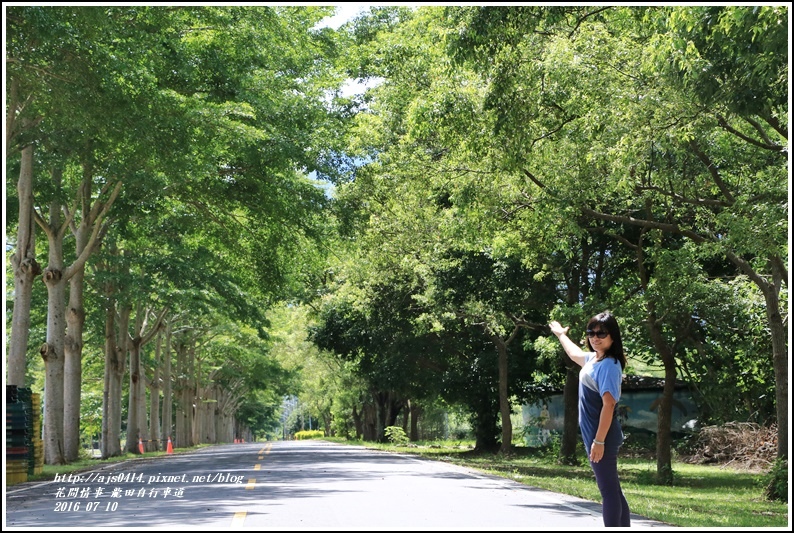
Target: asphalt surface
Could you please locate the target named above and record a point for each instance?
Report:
(295, 485)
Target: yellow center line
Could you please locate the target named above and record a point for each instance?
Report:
(238, 519)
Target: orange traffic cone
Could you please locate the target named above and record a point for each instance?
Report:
(170, 448)
(140, 446)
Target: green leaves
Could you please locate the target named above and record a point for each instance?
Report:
(554, 136)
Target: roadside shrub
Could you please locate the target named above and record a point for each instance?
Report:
(312, 434)
(777, 481)
(396, 435)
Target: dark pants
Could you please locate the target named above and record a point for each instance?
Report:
(614, 507)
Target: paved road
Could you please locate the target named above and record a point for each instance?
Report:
(295, 485)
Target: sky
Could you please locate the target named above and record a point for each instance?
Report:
(343, 14)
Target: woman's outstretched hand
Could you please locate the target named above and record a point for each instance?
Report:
(557, 328)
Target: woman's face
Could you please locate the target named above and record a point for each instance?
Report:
(599, 338)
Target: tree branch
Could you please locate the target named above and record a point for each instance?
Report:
(622, 219)
(521, 321)
(97, 226)
(727, 127)
(679, 198)
(620, 238)
(585, 17)
(754, 123)
(555, 130)
(775, 123)
(155, 327)
(712, 168)
(38, 69)
(534, 180)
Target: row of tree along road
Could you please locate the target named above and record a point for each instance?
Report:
(218, 226)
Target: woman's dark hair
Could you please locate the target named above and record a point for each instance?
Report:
(608, 323)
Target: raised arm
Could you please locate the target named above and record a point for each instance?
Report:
(574, 352)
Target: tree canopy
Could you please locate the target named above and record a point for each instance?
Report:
(211, 213)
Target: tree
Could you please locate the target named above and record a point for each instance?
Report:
(142, 333)
(58, 109)
(499, 296)
(53, 351)
(208, 91)
(608, 137)
(744, 103)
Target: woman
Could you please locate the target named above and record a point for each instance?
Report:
(599, 392)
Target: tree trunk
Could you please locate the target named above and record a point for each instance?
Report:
(392, 405)
(88, 234)
(52, 351)
(505, 409)
(212, 411)
(154, 397)
(167, 425)
(577, 288)
(223, 425)
(231, 420)
(184, 408)
(192, 393)
(133, 412)
(382, 414)
(664, 414)
(73, 353)
(143, 419)
(415, 412)
(196, 399)
(504, 400)
(110, 349)
(26, 269)
(188, 397)
(116, 355)
(179, 405)
(369, 421)
(111, 398)
(219, 427)
(771, 292)
(202, 415)
(327, 421)
(570, 429)
(664, 439)
(358, 422)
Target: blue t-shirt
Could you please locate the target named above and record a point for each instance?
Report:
(595, 379)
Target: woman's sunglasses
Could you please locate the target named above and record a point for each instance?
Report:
(600, 334)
